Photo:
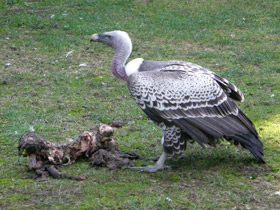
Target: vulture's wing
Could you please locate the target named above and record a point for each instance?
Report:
(230, 89)
(195, 101)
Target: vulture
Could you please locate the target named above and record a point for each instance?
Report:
(190, 103)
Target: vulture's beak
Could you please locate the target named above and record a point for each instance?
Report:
(94, 38)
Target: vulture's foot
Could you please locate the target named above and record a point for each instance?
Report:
(154, 159)
(149, 168)
(158, 166)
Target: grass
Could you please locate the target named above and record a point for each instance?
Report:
(41, 87)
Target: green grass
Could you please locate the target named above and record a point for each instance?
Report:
(49, 91)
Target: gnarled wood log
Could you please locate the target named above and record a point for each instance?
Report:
(98, 145)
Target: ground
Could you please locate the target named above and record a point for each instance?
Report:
(43, 85)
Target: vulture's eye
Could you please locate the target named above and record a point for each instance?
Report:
(107, 37)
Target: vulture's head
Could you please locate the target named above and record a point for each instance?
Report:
(118, 40)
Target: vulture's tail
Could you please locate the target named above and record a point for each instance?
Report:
(252, 143)
(250, 140)
(238, 128)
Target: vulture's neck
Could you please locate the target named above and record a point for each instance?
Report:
(119, 60)
(118, 66)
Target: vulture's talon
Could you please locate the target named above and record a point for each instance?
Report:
(152, 159)
(155, 159)
(149, 168)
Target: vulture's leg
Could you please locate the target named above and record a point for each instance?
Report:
(155, 159)
(158, 166)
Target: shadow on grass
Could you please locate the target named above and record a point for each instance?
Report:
(239, 164)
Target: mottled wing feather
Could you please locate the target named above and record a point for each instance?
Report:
(180, 94)
(230, 89)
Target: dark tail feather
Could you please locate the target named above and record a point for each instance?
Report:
(251, 143)
(195, 133)
(247, 122)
